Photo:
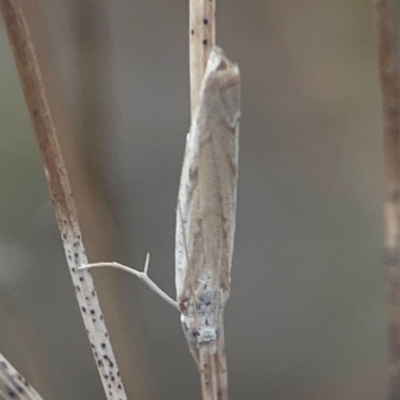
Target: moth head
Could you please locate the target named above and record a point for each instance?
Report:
(221, 87)
(217, 60)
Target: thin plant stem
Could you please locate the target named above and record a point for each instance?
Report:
(213, 368)
(13, 385)
(93, 198)
(94, 126)
(201, 41)
(389, 77)
(64, 205)
(143, 276)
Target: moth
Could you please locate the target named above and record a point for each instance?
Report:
(206, 210)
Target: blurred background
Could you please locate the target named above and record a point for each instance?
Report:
(306, 318)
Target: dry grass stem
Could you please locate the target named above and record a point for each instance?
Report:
(201, 41)
(86, 160)
(13, 385)
(64, 206)
(389, 75)
(143, 276)
(213, 368)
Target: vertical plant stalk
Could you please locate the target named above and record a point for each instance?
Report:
(95, 124)
(13, 385)
(201, 41)
(212, 367)
(213, 371)
(389, 75)
(64, 206)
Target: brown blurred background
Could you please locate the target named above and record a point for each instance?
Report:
(306, 315)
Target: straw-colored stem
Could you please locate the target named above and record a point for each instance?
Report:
(13, 385)
(201, 41)
(143, 276)
(64, 206)
(389, 76)
(213, 369)
(88, 168)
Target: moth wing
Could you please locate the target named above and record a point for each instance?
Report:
(207, 193)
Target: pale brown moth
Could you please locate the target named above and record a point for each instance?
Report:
(205, 223)
(206, 210)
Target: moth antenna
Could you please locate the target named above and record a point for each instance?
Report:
(143, 276)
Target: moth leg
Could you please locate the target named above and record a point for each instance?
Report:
(141, 275)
